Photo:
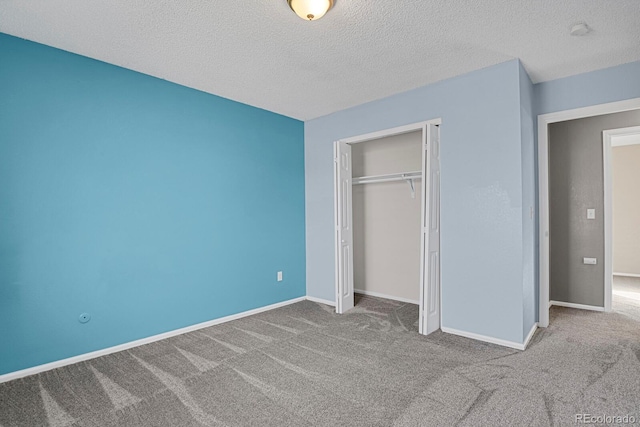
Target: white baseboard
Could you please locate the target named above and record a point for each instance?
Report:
(92, 355)
(391, 297)
(579, 306)
(627, 274)
(321, 301)
(492, 340)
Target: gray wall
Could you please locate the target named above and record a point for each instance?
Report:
(575, 184)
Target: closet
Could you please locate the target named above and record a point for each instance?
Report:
(387, 218)
(386, 189)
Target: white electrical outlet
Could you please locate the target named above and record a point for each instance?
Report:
(591, 214)
(590, 261)
(279, 276)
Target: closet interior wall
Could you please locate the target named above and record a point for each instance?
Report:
(386, 219)
(625, 162)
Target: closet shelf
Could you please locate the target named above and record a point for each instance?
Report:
(404, 176)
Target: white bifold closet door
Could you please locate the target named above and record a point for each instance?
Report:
(430, 273)
(344, 228)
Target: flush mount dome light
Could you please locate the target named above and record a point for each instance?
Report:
(310, 10)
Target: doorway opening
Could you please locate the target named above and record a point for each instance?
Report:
(622, 234)
(575, 205)
(387, 218)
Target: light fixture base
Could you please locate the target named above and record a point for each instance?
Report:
(310, 10)
(580, 29)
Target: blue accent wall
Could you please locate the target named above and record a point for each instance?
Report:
(482, 193)
(148, 205)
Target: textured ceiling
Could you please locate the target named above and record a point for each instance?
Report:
(260, 53)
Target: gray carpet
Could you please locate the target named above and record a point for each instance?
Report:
(303, 365)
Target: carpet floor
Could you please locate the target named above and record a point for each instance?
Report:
(303, 365)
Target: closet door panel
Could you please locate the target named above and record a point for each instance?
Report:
(344, 228)
(431, 232)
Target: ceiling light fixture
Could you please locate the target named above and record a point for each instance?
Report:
(580, 29)
(310, 10)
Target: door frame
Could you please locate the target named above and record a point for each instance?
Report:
(607, 144)
(544, 120)
(425, 195)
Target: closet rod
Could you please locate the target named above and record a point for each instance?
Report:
(405, 176)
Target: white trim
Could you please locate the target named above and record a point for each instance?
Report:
(131, 344)
(530, 335)
(578, 306)
(626, 274)
(608, 142)
(592, 110)
(321, 301)
(478, 337)
(391, 297)
(622, 132)
(390, 132)
(607, 174)
(543, 184)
